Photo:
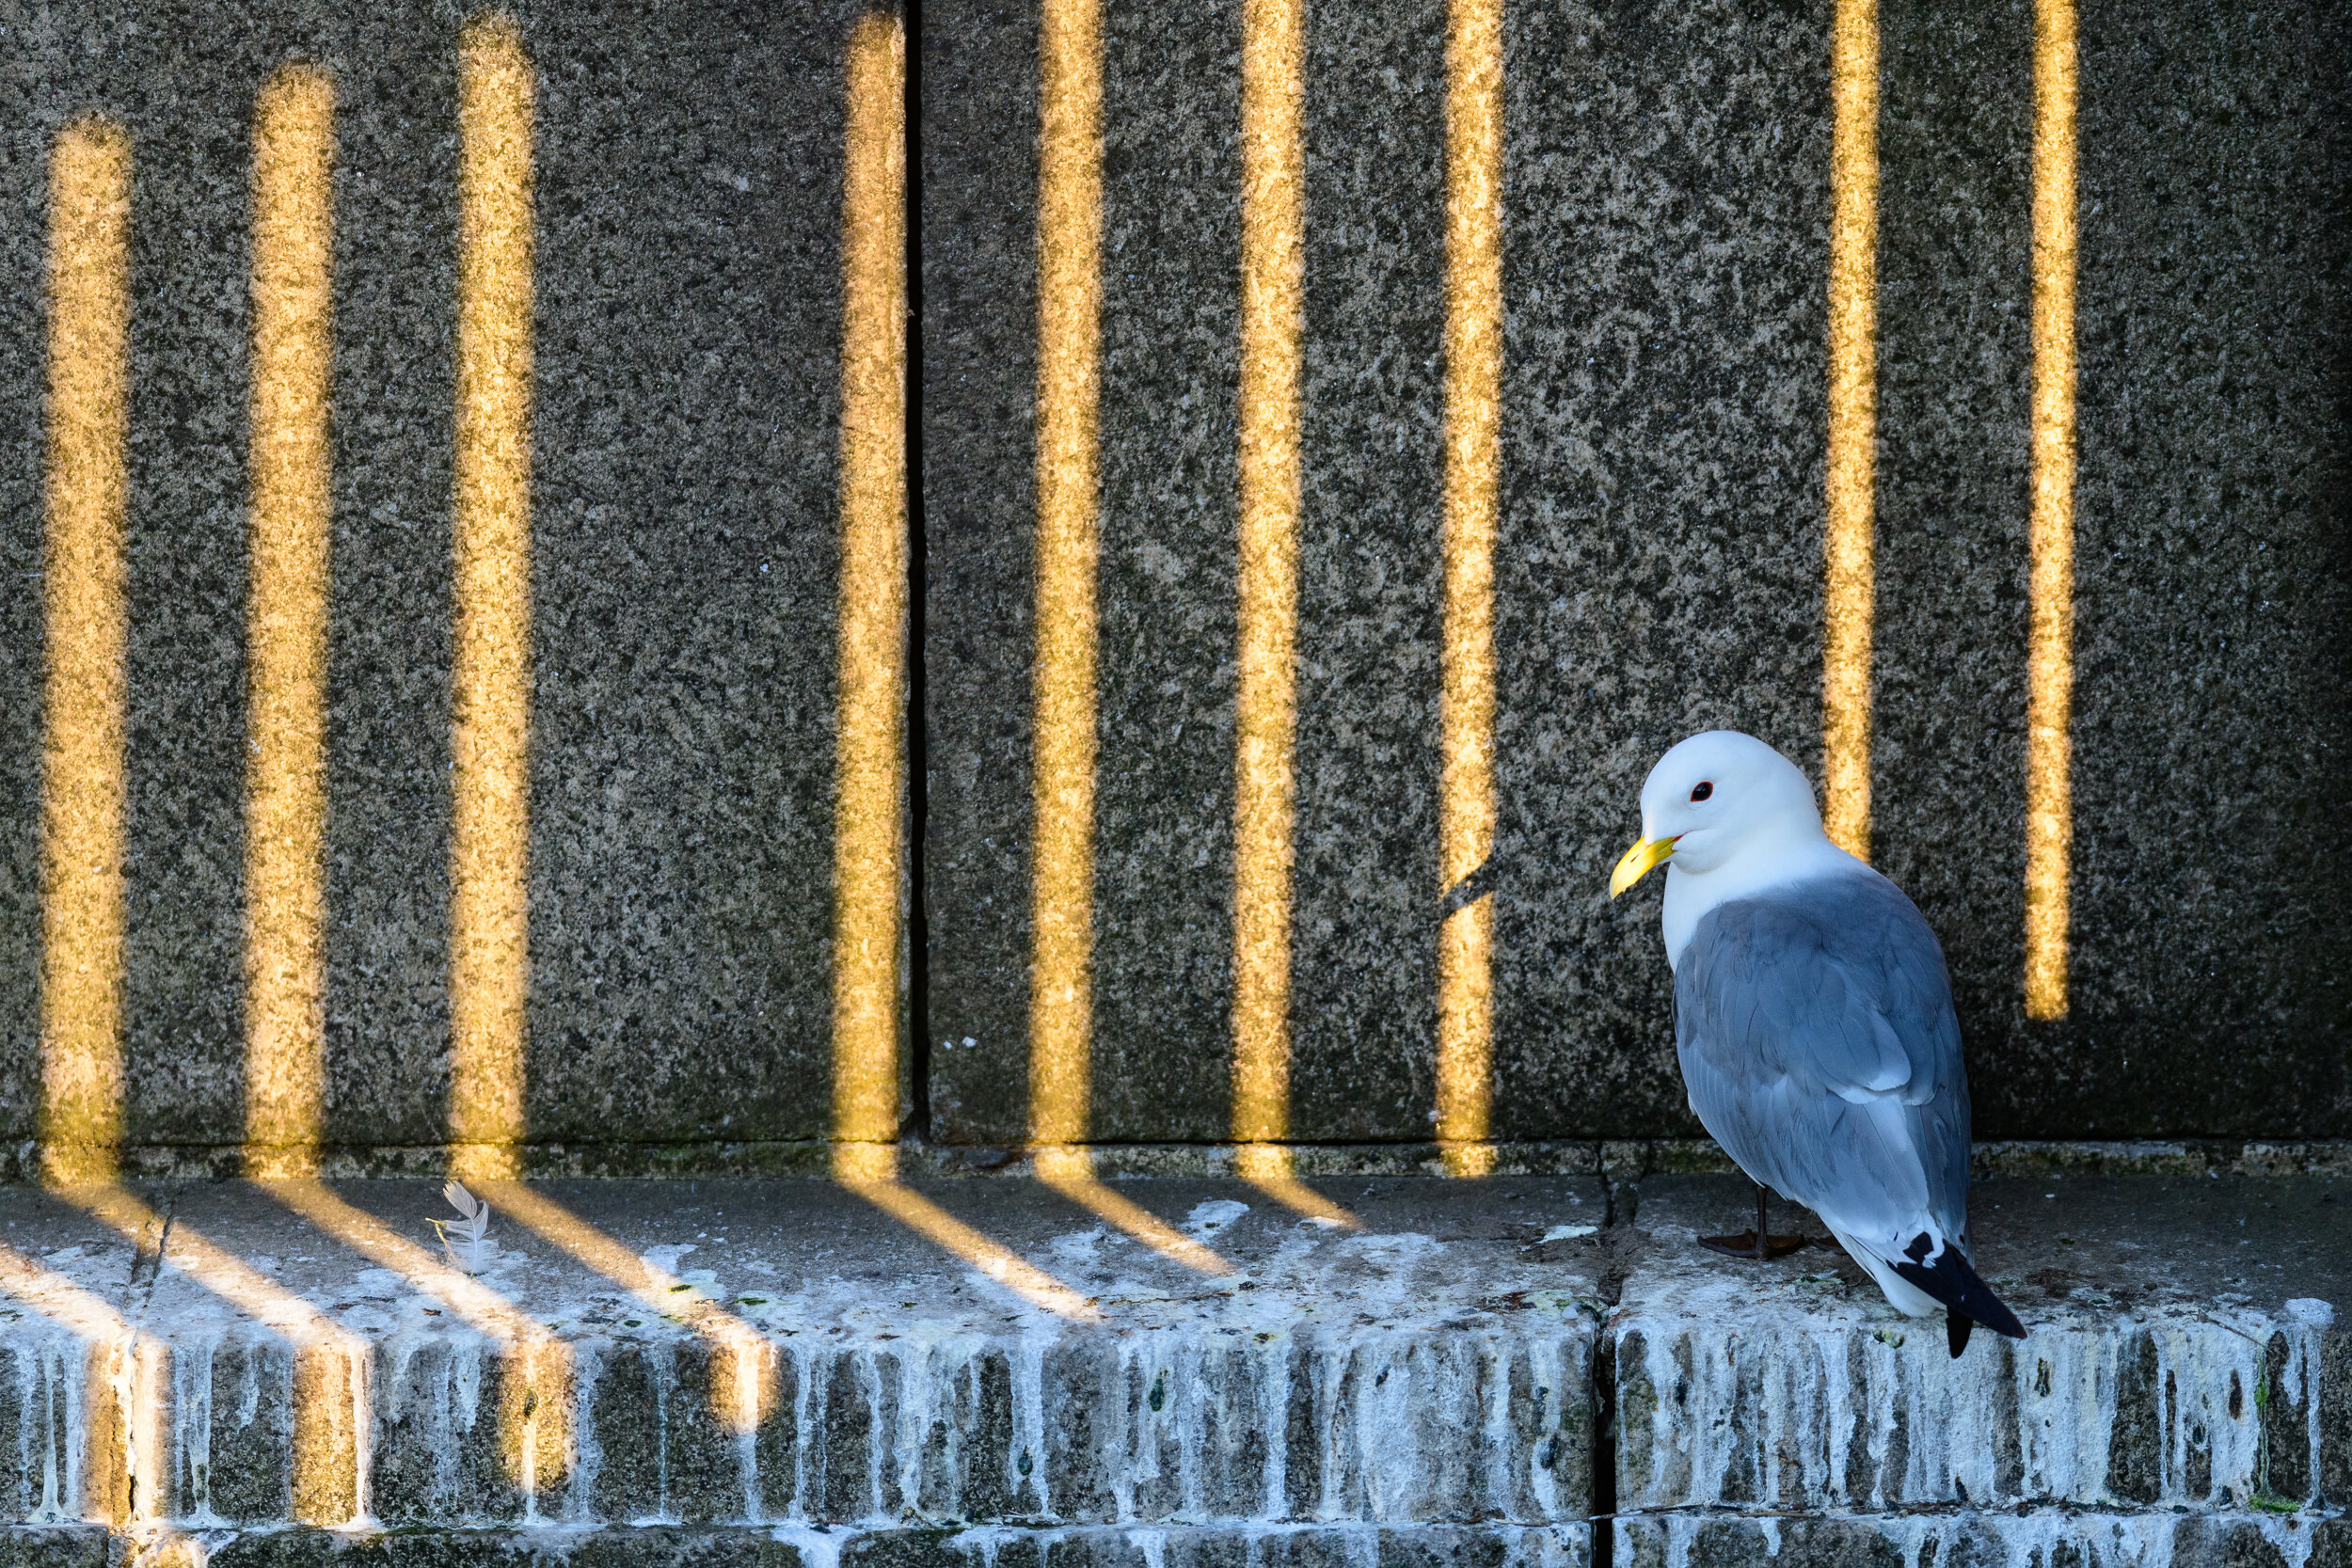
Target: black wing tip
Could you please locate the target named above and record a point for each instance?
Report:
(1965, 1297)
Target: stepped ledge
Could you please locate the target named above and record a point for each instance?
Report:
(1161, 1373)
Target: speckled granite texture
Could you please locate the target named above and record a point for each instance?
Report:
(688, 305)
(1659, 568)
(1660, 557)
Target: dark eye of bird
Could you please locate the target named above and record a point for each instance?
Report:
(1703, 792)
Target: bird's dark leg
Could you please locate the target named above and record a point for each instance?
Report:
(1758, 1245)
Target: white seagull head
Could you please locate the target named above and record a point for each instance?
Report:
(1721, 795)
(1729, 815)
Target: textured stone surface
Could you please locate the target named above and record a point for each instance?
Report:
(1429, 1386)
(1660, 563)
(688, 202)
(2181, 1353)
(668, 1546)
(1658, 566)
(1430, 1367)
(1982, 1539)
(2211, 720)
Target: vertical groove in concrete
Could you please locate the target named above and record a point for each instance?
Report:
(2050, 664)
(490, 676)
(1069, 333)
(869, 801)
(1273, 217)
(293, 283)
(85, 642)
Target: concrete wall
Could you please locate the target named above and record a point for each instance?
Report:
(1658, 566)
(688, 199)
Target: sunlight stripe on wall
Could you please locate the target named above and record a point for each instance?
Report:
(2050, 657)
(871, 755)
(1273, 312)
(85, 630)
(1070, 289)
(293, 255)
(490, 657)
(1848, 592)
(1474, 448)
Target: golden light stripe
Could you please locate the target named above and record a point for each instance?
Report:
(1849, 593)
(332, 1365)
(1071, 1172)
(293, 260)
(490, 659)
(1061, 900)
(1069, 314)
(2050, 659)
(537, 1372)
(871, 738)
(118, 1476)
(1268, 1168)
(1473, 459)
(871, 1171)
(81, 783)
(744, 1369)
(1273, 310)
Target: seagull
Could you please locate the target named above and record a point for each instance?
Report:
(1813, 1022)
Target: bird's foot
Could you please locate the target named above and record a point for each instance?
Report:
(1744, 1245)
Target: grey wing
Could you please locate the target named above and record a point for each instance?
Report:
(1817, 1038)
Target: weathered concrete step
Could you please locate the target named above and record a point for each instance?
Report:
(2051, 1539)
(800, 1547)
(1142, 1354)
(2181, 1354)
(711, 1352)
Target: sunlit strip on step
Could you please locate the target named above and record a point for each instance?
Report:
(871, 1171)
(84, 628)
(536, 1380)
(1069, 312)
(1273, 325)
(333, 1367)
(1848, 591)
(1071, 1173)
(293, 254)
(1474, 461)
(2050, 654)
(490, 653)
(744, 1365)
(1268, 1168)
(118, 1475)
(870, 739)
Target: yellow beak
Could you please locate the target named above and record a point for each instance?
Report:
(1637, 862)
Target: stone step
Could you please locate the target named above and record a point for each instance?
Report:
(2042, 1539)
(801, 1546)
(2174, 1359)
(716, 1351)
(1144, 1355)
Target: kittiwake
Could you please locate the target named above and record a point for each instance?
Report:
(1814, 1021)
